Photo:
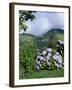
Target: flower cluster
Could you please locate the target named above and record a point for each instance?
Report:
(46, 57)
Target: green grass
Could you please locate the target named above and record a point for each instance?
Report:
(44, 74)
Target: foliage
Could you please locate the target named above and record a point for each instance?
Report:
(28, 44)
(23, 17)
(26, 57)
(44, 74)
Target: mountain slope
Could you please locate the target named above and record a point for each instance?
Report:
(54, 32)
(48, 39)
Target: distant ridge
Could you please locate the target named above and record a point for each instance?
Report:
(53, 31)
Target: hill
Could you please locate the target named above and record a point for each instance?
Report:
(48, 39)
(54, 32)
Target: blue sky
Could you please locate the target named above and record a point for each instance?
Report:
(43, 22)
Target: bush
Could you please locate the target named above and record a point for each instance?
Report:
(26, 56)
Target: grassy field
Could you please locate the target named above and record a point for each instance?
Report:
(27, 51)
(43, 74)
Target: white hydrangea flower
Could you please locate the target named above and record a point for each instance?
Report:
(37, 62)
(55, 57)
(57, 53)
(58, 65)
(49, 50)
(41, 58)
(44, 52)
(44, 59)
(49, 54)
(60, 60)
(47, 57)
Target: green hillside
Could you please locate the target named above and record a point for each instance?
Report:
(48, 39)
(59, 33)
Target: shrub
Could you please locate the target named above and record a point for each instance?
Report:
(26, 57)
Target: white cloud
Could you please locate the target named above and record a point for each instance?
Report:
(44, 21)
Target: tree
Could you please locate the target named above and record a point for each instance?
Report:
(23, 17)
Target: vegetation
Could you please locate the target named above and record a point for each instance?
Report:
(23, 17)
(28, 45)
(43, 74)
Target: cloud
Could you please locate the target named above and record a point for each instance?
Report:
(40, 26)
(44, 21)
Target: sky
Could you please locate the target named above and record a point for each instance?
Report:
(43, 22)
